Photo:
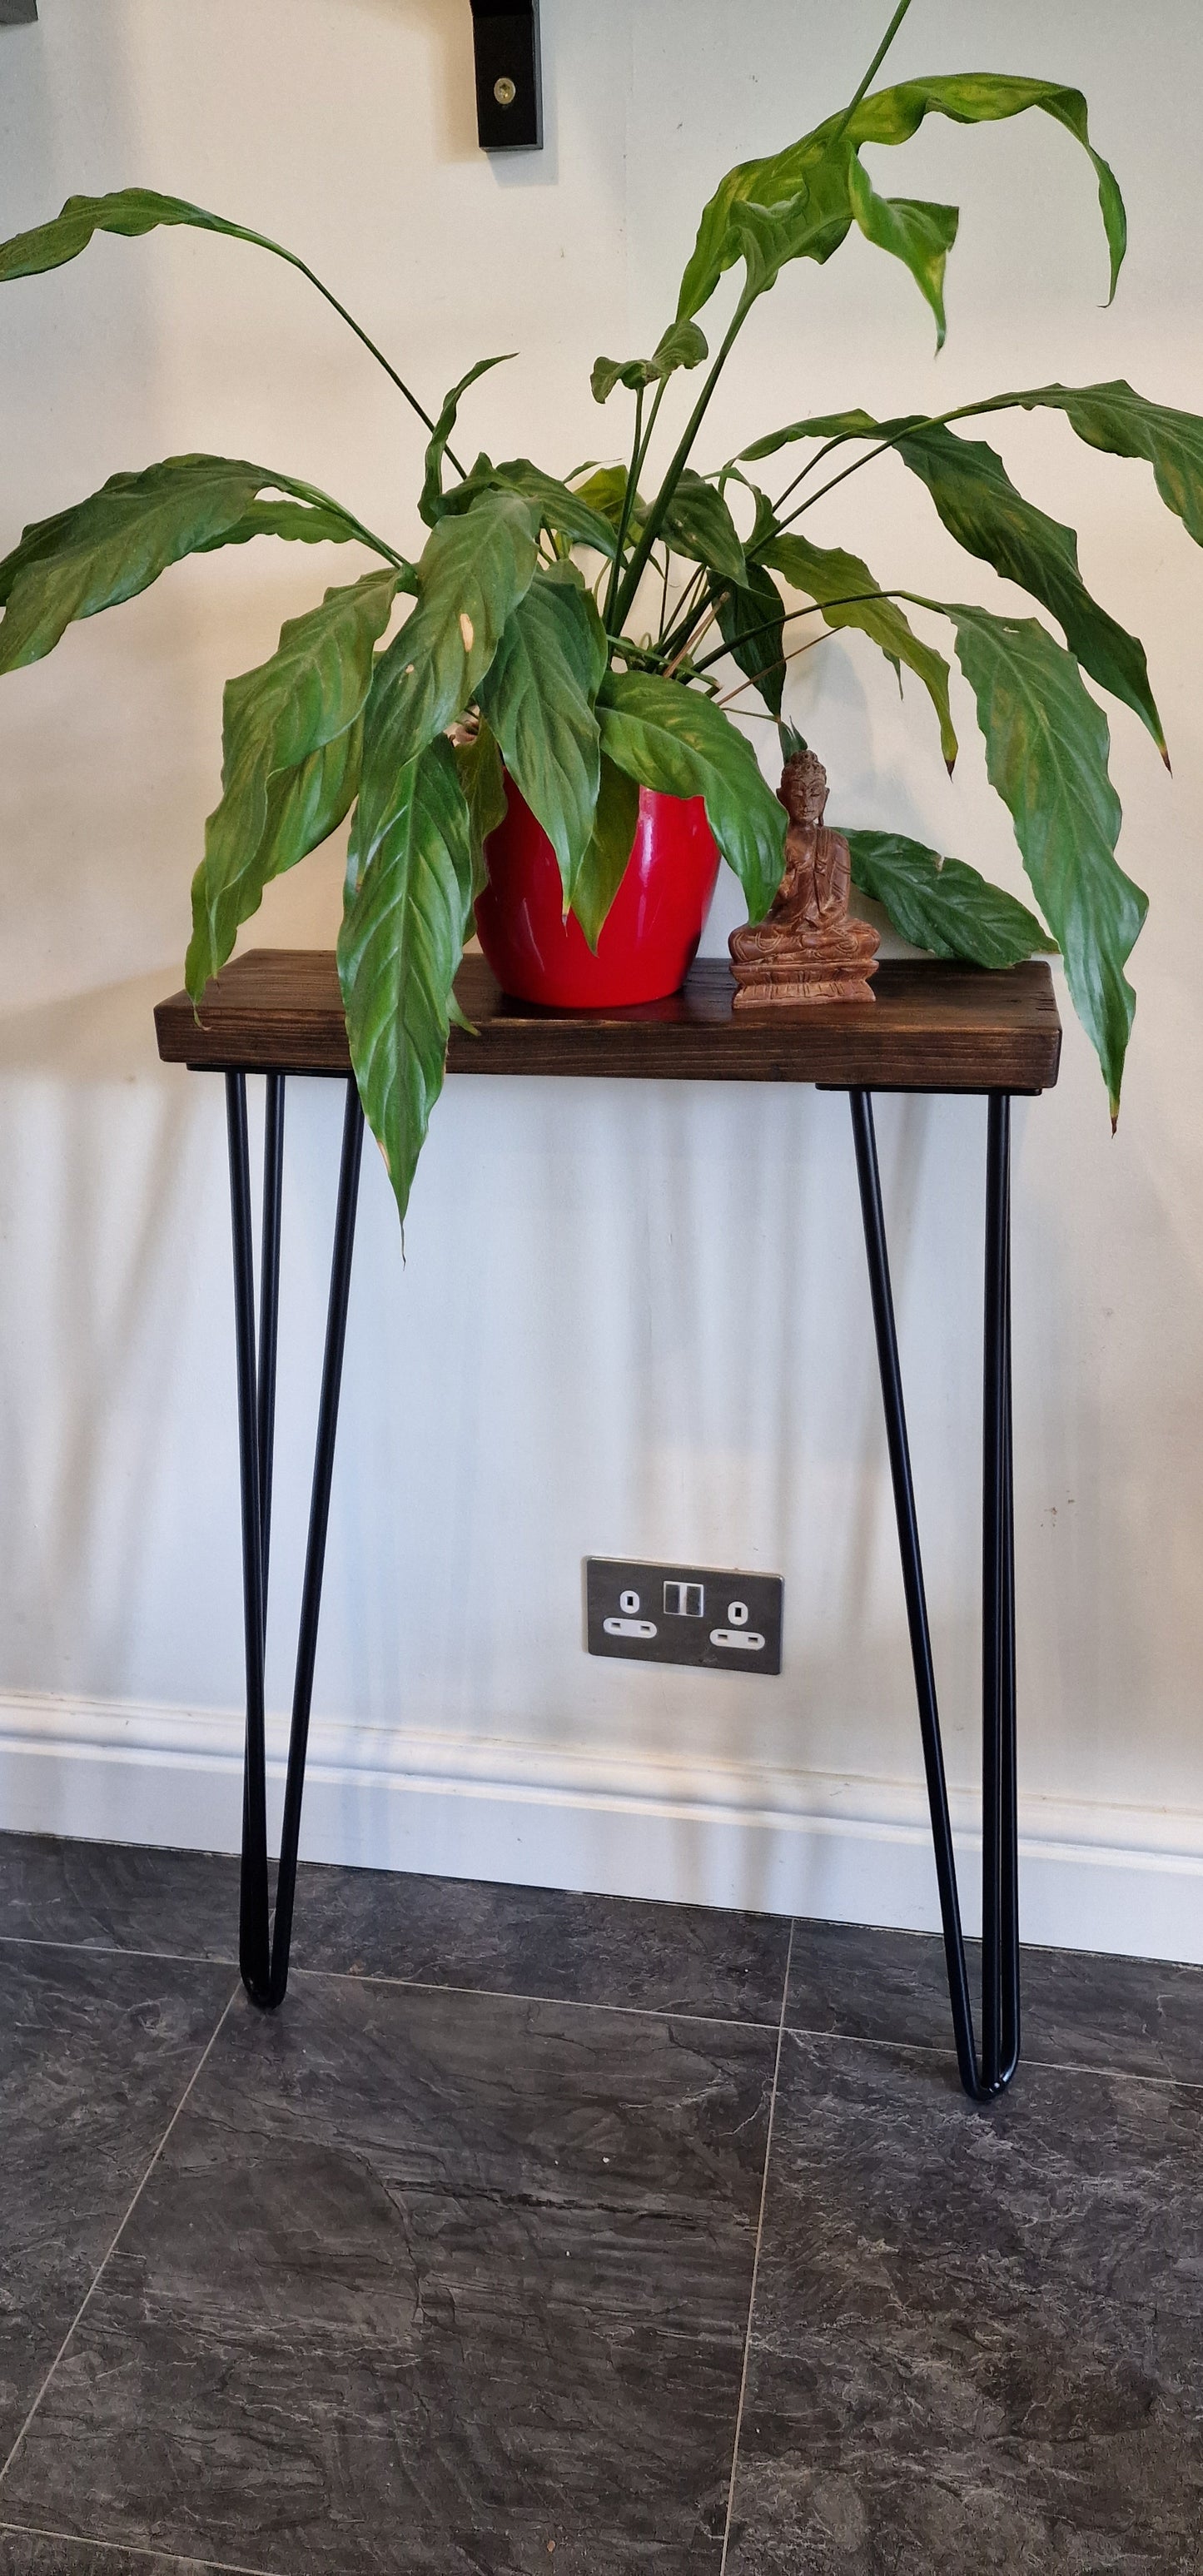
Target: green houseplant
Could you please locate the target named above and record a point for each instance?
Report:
(585, 632)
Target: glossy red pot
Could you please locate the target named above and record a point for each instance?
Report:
(649, 935)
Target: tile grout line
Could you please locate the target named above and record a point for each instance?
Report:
(1080, 2068)
(577, 2003)
(553, 2003)
(89, 2293)
(764, 2193)
(403, 1985)
(191, 2566)
(116, 1950)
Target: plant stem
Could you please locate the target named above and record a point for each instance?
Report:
(664, 598)
(707, 621)
(656, 515)
(936, 420)
(313, 492)
(814, 608)
(360, 334)
(828, 449)
(655, 520)
(874, 67)
(854, 468)
(657, 399)
(795, 656)
(628, 504)
(688, 613)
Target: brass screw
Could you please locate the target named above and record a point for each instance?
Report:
(505, 91)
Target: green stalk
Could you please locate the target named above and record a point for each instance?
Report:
(664, 596)
(628, 504)
(814, 608)
(874, 67)
(262, 242)
(313, 492)
(937, 420)
(795, 656)
(657, 399)
(828, 449)
(688, 612)
(656, 515)
(659, 508)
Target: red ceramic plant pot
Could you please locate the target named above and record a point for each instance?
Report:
(649, 935)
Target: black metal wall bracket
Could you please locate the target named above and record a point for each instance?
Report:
(509, 84)
(18, 13)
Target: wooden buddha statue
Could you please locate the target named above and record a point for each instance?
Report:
(808, 948)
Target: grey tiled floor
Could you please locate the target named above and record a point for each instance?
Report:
(545, 2231)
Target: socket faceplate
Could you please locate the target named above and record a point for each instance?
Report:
(683, 1614)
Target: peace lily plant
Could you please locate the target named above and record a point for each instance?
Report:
(585, 636)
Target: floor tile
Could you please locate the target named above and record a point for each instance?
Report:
(30, 2553)
(543, 1941)
(119, 1896)
(94, 2056)
(426, 2282)
(976, 2339)
(1137, 2016)
(1134, 2016)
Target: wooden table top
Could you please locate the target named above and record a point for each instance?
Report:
(933, 1027)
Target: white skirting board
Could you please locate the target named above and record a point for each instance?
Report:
(1128, 1880)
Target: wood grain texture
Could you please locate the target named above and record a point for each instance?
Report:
(933, 1027)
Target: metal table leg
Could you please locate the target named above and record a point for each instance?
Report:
(263, 1948)
(1000, 1838)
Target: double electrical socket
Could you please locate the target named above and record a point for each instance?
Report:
(683, 1614)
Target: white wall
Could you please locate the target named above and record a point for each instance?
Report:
(631, 1320)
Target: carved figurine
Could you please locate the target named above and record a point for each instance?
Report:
(808, 948)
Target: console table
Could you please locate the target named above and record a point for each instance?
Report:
(933, 1027)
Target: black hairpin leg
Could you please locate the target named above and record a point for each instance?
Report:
(263, 1949)
(1000, 1867)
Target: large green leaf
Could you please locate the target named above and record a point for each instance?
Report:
(568, 514)
(819, 164)
(982, 509)
(431, 504)
(406, 914)
(306, 804)
(1124, 423)
(538, 699)
(699, 525)
(301, 522)
(284, 785)
(113, 545)
(918, 233)
(472, 574)
(38, 543)
(483, 781)
(604, 863)
(1046, 753)
(673, 739)
(845, 590)
(984, 98)
(751, 622)
(810, 224)
(943, 905)
(682, 345)
(126, 210)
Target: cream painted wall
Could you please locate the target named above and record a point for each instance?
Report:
(631, 1321)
